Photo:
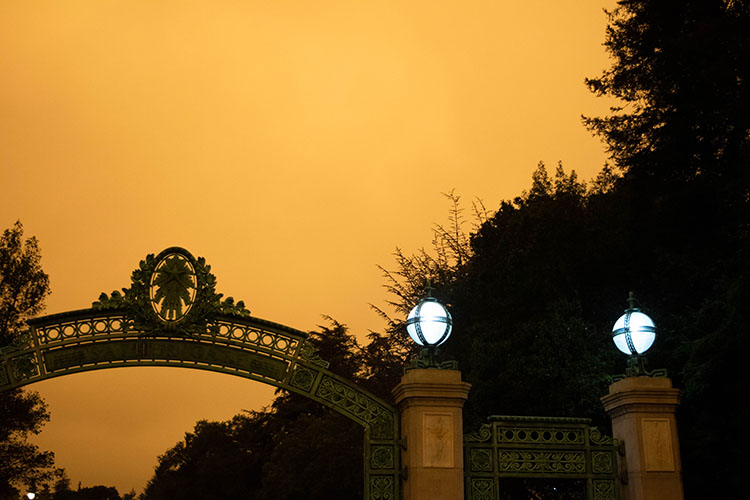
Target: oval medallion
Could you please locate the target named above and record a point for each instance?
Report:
(173, 287)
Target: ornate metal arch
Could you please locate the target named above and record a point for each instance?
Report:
(172, 316)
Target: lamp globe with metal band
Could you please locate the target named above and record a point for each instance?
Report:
(429, 324)
(634, 334)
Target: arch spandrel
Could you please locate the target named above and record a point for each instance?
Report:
(205, 331)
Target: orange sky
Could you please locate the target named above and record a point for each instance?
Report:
(294, 144)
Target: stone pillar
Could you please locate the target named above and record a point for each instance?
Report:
(431, 401)
(642, 410)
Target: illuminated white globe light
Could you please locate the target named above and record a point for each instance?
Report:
(634, 333)
(429, 323)
(31, 496)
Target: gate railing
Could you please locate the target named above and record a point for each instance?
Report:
(539, 448)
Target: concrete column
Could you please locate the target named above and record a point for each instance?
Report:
(431, 401)
(642, 410)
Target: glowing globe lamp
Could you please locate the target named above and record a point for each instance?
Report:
(429, 324)
(634, 332)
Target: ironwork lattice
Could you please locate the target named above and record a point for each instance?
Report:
(539, 447)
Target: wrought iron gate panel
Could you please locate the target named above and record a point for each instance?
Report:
(539, 447)
(212, 334)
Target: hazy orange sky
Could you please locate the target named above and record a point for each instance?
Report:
(293, 144)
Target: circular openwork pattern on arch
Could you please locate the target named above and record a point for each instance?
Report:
(83, 328)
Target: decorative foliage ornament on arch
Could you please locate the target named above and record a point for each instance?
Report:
(171, 292)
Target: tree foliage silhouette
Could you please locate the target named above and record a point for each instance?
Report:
(23, 287)
(680, 72)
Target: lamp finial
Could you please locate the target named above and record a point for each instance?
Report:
(632, 300)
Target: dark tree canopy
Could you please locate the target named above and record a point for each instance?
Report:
(23, 286)
(61, 490)
(680, 69)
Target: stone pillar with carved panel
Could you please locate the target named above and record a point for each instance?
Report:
(430, 402)
(642, 410)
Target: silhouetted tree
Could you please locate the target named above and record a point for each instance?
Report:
(439, 265)
(97, 493)
(23, 286)
(680, 71)
(62, 491)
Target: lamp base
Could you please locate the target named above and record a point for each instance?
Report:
(428, 358)
(637, 368)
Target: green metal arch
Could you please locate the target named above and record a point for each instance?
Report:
(248, 347)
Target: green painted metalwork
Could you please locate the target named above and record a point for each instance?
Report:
(539, 447)
(637, 368)
(171, 315)
(428, 358)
